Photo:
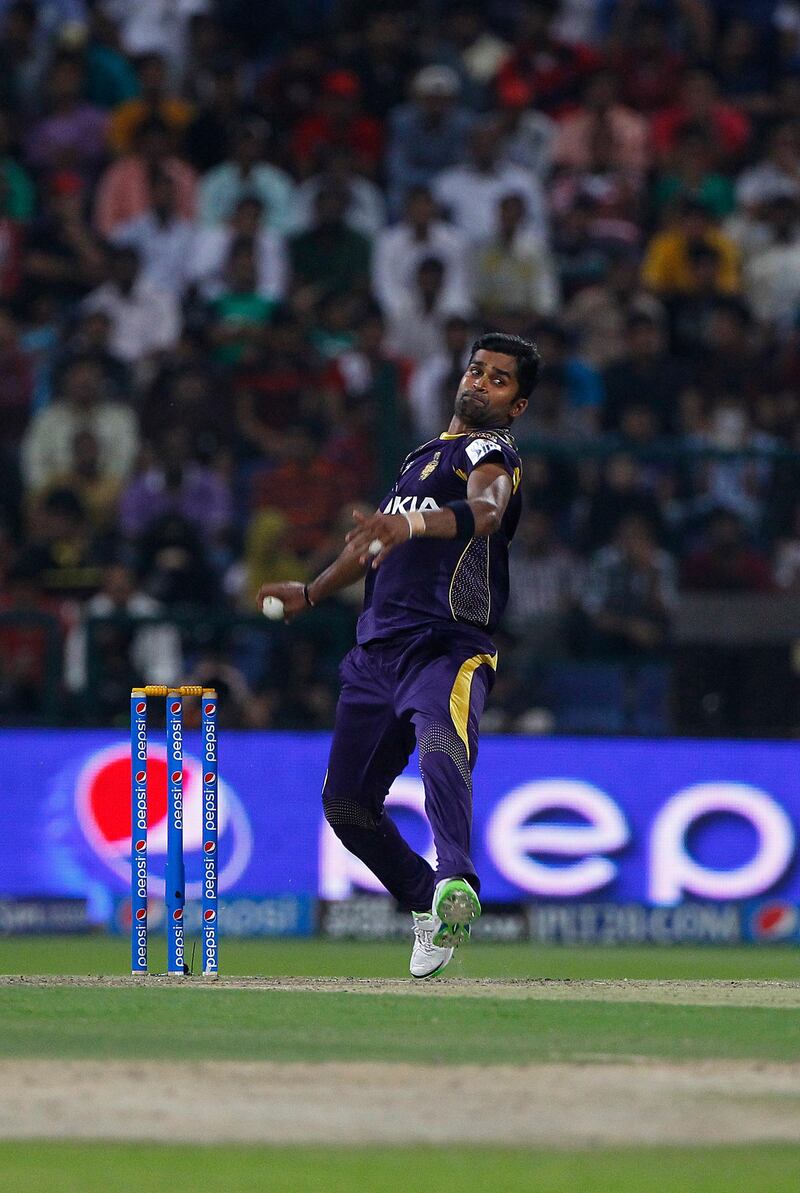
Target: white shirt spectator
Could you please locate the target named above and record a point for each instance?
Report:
(223, 187)
(165, 249)
(155, 650)
(210, 255)
(366, 211)
(518, 276)
(416, 333)
(471, 196)
(397, 253)
(766, 181)
(771, 283)
(143, 321)
(154, 26)
(48, 451)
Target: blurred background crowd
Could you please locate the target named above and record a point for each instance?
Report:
(244, 249)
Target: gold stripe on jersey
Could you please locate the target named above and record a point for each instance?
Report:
(462, 690)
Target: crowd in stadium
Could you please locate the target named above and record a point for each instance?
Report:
(244, 249)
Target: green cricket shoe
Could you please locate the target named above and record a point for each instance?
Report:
(456, 905)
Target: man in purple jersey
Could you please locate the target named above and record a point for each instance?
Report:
(437, 552)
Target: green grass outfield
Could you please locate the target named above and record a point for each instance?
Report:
(133, 1168)
(325, 958)
(190, 1022)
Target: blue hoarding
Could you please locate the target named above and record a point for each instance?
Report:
(612, 821)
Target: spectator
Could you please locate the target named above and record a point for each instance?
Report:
(366, 209)
(174, 564)
(584, 384)
(630, 594)
(775, 176)
(434, 381)
(163, 239)
(546, 579)
(147, 27)
(692, 172)
(128, 643)
(724, 561)
(339, 122)
(771, 282)
(471, 192)
(625, 130)
(219, 118)
(125, 190)
(385, 58)
(90, 479)
(427, 135)
(597, 315)
(211, 251)
(514, 269)
(17, 193)
(621, 494)
(400, 248)
(647, 375)
(64, 553)
(72, 135)
(550, 69)
(62, 257)
(330, 256)
(153, 101)
(646, 61)
(30, 636)
(239, 313)
(416, 329)
(175, 483)
(303, 488)
(667, 268)
(700, 106)
(82, 404)
(145, 320)
(527, 134)
(246, 173)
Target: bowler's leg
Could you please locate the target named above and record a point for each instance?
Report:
(370, 748)
(447, 696)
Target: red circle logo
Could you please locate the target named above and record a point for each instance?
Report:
(177, 913)
(209, 776)
(140, 845)
(209, 914)
(141, 775)
(141, 706)
(177, 775)
(141, 913)
(209, 708)
(209, 846)
(175, 706)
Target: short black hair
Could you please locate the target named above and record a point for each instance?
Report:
(524, 352)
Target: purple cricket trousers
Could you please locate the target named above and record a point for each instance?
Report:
(428, 687)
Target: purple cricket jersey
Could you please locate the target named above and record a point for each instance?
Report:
(429, 581)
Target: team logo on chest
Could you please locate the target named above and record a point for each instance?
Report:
(430, 467)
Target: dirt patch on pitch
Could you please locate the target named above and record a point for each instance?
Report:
(572, 1105)
(777, 994)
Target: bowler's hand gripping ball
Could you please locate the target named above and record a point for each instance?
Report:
(375, 547)
(272, 608)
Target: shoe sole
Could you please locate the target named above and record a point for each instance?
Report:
(457, 907)
(421, 977)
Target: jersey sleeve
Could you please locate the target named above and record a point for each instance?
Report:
(480, 449)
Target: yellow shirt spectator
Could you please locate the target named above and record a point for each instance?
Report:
(667, 267)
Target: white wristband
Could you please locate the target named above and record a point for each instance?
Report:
(415, 528)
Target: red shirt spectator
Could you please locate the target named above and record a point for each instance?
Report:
(339, 123)
(699, 104)
(551, 71)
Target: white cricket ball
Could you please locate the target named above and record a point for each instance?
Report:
(272, 608)
(375, 547)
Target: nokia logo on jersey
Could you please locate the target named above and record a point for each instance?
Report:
(406, 505)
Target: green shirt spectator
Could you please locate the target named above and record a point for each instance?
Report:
(330, 256)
